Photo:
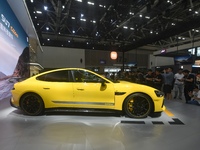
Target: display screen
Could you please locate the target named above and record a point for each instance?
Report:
(14, 51)
(182, 60)
(13, 40)
(198, 51)
(102, 61)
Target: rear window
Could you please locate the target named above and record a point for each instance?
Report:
(58, 76)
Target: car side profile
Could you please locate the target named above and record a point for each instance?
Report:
(83, 89)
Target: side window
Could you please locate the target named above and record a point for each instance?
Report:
(58, 76)
(78, 75)
(84, 76)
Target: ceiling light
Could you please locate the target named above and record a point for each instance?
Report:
(63, 6)
(131, 13)
(47, 28)
(147, 17)
(190, 9)
(83, 19)
(132, 28)
(73, 31)
(31, 1)
(169, 1)
(82, 15)
(100, 5)
(196, 12)
(173, 24)
(93, 21)
(151, 32)
(35, 17)
(183, 38)
(79, 0)
(45, 7)
(90, 3)
(140, 15)
(38, 24)
(125, 27)
(197, 30)
(38, 12)
(48, 39)
(73, 18)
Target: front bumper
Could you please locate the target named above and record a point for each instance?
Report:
(12, 103)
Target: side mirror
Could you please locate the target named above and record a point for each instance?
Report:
(103, 83)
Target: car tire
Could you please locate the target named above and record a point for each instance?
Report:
(138, 105)
(32, 104)
(155, 114)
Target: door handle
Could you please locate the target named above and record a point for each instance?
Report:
(80, 89)
(46, 88)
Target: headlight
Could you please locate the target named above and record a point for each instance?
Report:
(159, 93)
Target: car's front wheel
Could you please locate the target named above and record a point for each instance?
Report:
(137, 105)
(32, 104)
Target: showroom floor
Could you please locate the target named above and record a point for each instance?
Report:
(177, 128)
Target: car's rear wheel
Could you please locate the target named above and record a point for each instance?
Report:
(32, 104)
(137, 105)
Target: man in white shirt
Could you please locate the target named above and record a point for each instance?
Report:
(195, 96)
(178, 84)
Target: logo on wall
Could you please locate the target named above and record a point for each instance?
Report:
(4, 27)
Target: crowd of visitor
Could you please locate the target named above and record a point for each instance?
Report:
(184, 84)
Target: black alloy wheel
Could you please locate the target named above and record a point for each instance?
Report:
(138, 105)
(32, 104)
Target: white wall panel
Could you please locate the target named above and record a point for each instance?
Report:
(58, 57)
(160, 61)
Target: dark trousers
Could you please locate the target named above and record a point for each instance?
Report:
(187, 89)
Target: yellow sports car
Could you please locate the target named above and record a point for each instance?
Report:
(80, 88)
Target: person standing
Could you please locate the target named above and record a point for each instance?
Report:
(178, 84)
(168, 82)
(189, 83)
(140, 77)
(149, 78)
(158, 80)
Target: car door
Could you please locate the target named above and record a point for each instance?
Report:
(92, 91)
(56, 88)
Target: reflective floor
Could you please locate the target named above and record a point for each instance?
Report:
(177, 128)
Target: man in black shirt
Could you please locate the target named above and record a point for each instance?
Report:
(189, 83)
(149, 78)
(158, 80)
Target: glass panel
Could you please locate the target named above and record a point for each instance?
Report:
(58, 76)
(84, 76)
